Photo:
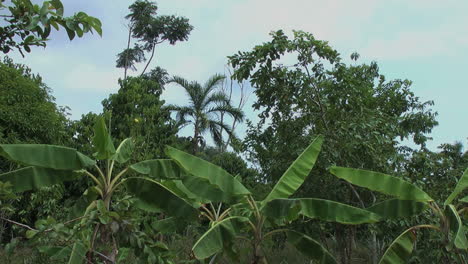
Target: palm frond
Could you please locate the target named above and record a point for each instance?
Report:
(234, 112)
(212, 84)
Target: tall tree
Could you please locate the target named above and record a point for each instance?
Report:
(205, 109)
(138, 111)
(27, 24)
(150, 30)
(362, 116)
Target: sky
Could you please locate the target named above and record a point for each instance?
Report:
(425, 41)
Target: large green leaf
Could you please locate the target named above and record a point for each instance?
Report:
(153, 194)
(205, 190)
(310, 248)
(394, 208)
(325, 210)
(218, 237)
(296, 174)
(401, 248)
(461, 186)
(158, 169)
(380, 182)
(78, 254)
(31, 178)
(46, 156)
(102, 140)
(124, 151)
(457, 230)
(203, 169)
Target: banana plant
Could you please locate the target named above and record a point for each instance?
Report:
(410, 200)
(46, 165)
(256, 221)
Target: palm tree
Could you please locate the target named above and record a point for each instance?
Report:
(205, 109)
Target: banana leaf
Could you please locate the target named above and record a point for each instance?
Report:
(124, 151)
(296, 174)
(461, 186)
(215, 175)
(394, 208)
(31, 178)
(153, 195)
(102, 140)
(325, 210)
(383, 183)
(457, 229)
(401, 248)
(158, 169)
(218, 237)
(46, 156)
(310, 248)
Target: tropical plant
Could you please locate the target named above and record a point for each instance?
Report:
(205, 108)
(256, 221)
(46, 165)
(410, 199)
(29, 24)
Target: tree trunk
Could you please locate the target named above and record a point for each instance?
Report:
(126, 56)
(149, 61)
(195, 139)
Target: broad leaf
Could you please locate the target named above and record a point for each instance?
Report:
(158, 169)
(102, 140)
(124, 151)
(461, 186)
(78, 254)
(168, 225)
(295, 175)
(325, 210)
(153, 194)
(205, 190)
(394, 208)
(218, 237)
(401, 248)
(31, 178)
(380, 182)
(46, 156)
(203, 169)
(457, 229)
(464, 199)
(310, 248)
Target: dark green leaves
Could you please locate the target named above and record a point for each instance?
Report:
(46, 156)
(457, 229)
(219, 236)
(153, 195)
(295, 175)
(124, 151)
(381, 183)
(207, 171)
(31, 178)
(158, 169)
(325, 210)
(401, 248)
(461, 185)
(102, 140)
(394, 208)
(310, 248)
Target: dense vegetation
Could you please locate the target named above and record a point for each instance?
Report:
(321, 178)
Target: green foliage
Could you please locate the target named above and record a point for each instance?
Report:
(138, 111)
(28, 24)
(451, 227)
(150, 30)
(359, 112)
